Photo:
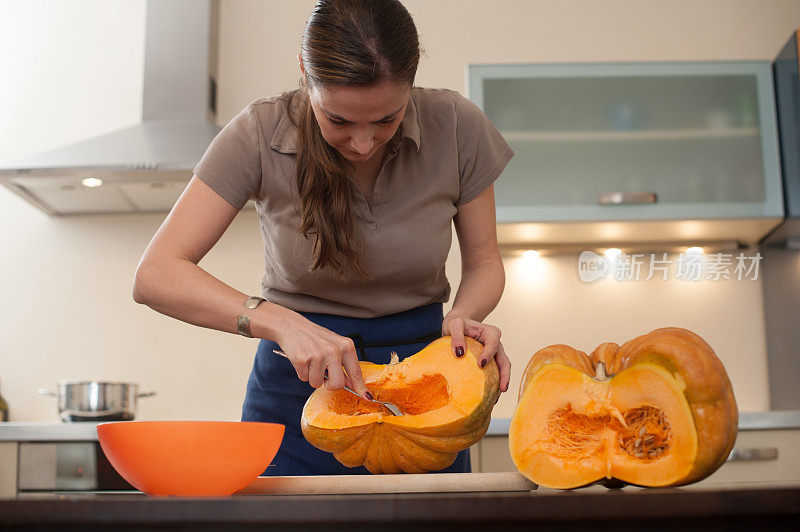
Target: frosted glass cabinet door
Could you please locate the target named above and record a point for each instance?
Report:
(634, 141)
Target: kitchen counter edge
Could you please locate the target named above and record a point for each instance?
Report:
(776, 507)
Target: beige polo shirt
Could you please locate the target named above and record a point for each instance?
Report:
(445, 153)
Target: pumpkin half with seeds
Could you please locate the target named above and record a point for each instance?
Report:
(447, 402)
(657, 411)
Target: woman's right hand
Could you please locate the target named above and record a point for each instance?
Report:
(313, 349)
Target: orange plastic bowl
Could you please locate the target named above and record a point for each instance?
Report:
(205, 458)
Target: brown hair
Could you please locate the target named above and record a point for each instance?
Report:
(351, 43)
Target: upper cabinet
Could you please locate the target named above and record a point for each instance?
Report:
(634, 152)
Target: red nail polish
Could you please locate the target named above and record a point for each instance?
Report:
(483, 363)
(369, 396)
(459, 351)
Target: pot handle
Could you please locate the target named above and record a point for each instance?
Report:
(45, 391)
(145, 394)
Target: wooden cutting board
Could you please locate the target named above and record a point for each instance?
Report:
(424, 483)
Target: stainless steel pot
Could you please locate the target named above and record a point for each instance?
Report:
(96, 400)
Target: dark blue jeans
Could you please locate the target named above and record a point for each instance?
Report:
(276, 395)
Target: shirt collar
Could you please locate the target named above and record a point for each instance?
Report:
(409, 127)
(286, 140)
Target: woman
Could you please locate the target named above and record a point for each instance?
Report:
(357, 177)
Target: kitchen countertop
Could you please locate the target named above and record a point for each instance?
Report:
(765, 506)
(42, 431)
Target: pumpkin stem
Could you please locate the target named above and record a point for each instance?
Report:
(395, 359)
(600, 372)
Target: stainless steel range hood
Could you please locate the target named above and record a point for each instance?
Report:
(144, 167)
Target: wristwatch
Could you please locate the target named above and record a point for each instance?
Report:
(243, 320)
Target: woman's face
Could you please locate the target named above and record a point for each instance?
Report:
(359, 121)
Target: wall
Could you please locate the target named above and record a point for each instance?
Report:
(457, 32)
(58, 84)
(546, 303)
(66, 310)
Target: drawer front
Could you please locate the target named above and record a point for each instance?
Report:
(8, 468)
(761, 455)
(57, 466)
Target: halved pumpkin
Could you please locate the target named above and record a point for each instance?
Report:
(447, 403)
(658, 411)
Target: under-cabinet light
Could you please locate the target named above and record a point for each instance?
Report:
(91, 182)
(619, 248)
(531, 254)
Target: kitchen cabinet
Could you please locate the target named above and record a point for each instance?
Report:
(8, 468)
(493, 455)
(786, 71)
(645, 146)
(781, 282)
(759, 456)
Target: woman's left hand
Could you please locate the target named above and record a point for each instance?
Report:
(457, 327)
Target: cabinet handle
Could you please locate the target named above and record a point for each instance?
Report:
(623, 198)
(753, 455)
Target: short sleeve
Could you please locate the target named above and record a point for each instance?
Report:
(231, 165)
(483, 153)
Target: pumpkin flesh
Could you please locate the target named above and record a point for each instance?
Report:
(447, 402)
(655, 422)
(579, 430)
